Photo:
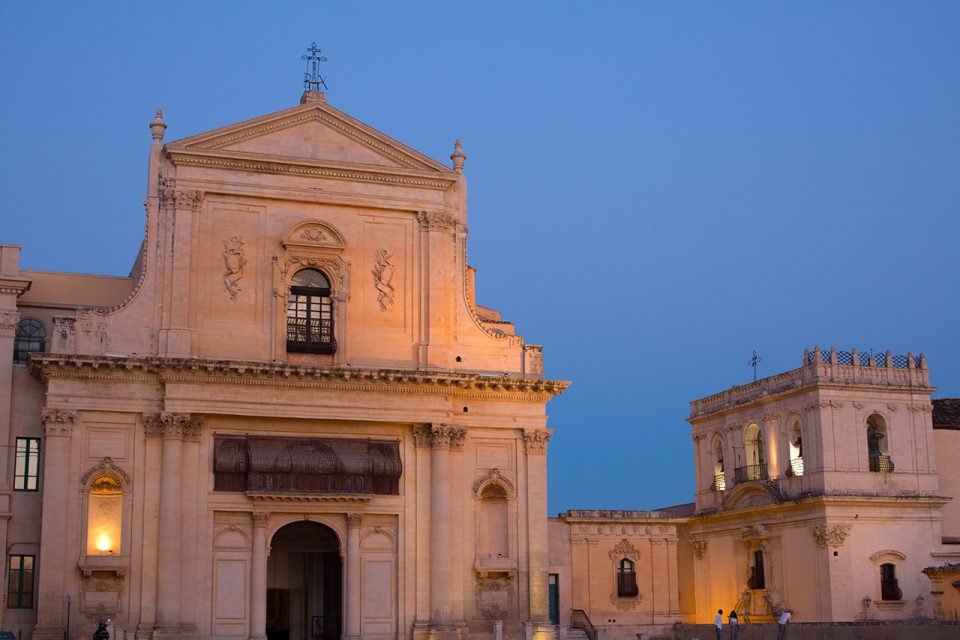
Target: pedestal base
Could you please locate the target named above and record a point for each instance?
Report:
(48, 633)
(541, 631)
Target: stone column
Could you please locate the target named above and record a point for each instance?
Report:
(535, 442)
(258, 578)
(169, 548)
(353, 594)
(57, 429)
(152, 432)
(443, 439)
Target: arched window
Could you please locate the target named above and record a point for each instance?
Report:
(796, 449)
(310, 314)
(880, 460)
(104, 515)
(719, 480)
(626, 579)
(756, 464)
(889, 588)
(30, 337)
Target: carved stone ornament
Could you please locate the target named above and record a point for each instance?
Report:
(382, 276)
(699, 547)
(105, 466)
(260, 518)
(439, 436)
(435, 221)
(234, 262)
(493, 477)
(335, 267)
(8, 324)
(313, 234)
(173, 425)
(830, 536)
(625, 604)
(57, 422)
(624, 550)
(535, 440)
(354, 520)
(170, 196)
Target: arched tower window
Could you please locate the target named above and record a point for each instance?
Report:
(719, 480)
(310, 314)
(756, 463)
(626, 579)
(877, 450)
(105, 515)
(30, 337)
(796, 449)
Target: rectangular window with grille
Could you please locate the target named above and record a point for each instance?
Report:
(26, 467)
(20, 583)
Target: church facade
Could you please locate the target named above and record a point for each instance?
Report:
(291, 421)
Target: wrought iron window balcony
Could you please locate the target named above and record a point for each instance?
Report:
(750, 472)
(310, 336)
(881, 463)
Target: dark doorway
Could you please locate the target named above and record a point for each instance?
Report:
(304, 584)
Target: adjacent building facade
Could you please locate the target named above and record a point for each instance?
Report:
(292, 420)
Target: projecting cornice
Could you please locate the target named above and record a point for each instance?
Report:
(259, 163)
(204, 371)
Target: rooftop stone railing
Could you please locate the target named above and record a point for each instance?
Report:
(842, 367)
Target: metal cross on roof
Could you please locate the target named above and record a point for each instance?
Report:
(312, 80)
(754, 361)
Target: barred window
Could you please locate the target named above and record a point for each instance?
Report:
(30, 337)
(26, 468)
(20, 582)
(889, 586)
(626, 580)
(310, 314)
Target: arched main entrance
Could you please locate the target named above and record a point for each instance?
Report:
(304, 584)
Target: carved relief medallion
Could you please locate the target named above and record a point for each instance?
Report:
(830, 536)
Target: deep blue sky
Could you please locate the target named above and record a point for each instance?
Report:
(656, 189)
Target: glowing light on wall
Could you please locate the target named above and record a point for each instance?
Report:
(104, 516)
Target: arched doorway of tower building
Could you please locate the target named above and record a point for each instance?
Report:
(304, 584)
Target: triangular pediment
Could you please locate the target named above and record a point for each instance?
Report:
(313, 132)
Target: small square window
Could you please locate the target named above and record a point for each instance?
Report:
(20, 583)
(26, 468)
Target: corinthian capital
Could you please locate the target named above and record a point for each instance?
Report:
(57, 422)
(173, 425)
(535, 440)
(439, 436)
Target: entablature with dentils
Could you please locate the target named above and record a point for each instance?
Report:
(200, 370)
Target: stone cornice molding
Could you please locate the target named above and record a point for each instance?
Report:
(181, 426)
(832, 536)
(260, 497)
(535, 440)
(57, 422)
(105, 466)
(307, 168)
(439, 436)
(208, 371)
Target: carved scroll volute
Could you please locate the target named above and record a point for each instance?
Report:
(184, 426)
(439, 436)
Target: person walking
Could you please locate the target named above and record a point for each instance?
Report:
(718, 623)
(734, 623)
(782, 624)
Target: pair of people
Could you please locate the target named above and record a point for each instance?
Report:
(734, 623)
(732, 620)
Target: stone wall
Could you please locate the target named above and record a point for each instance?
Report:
(822, 631)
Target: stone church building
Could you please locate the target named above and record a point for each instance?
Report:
(293, 420)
